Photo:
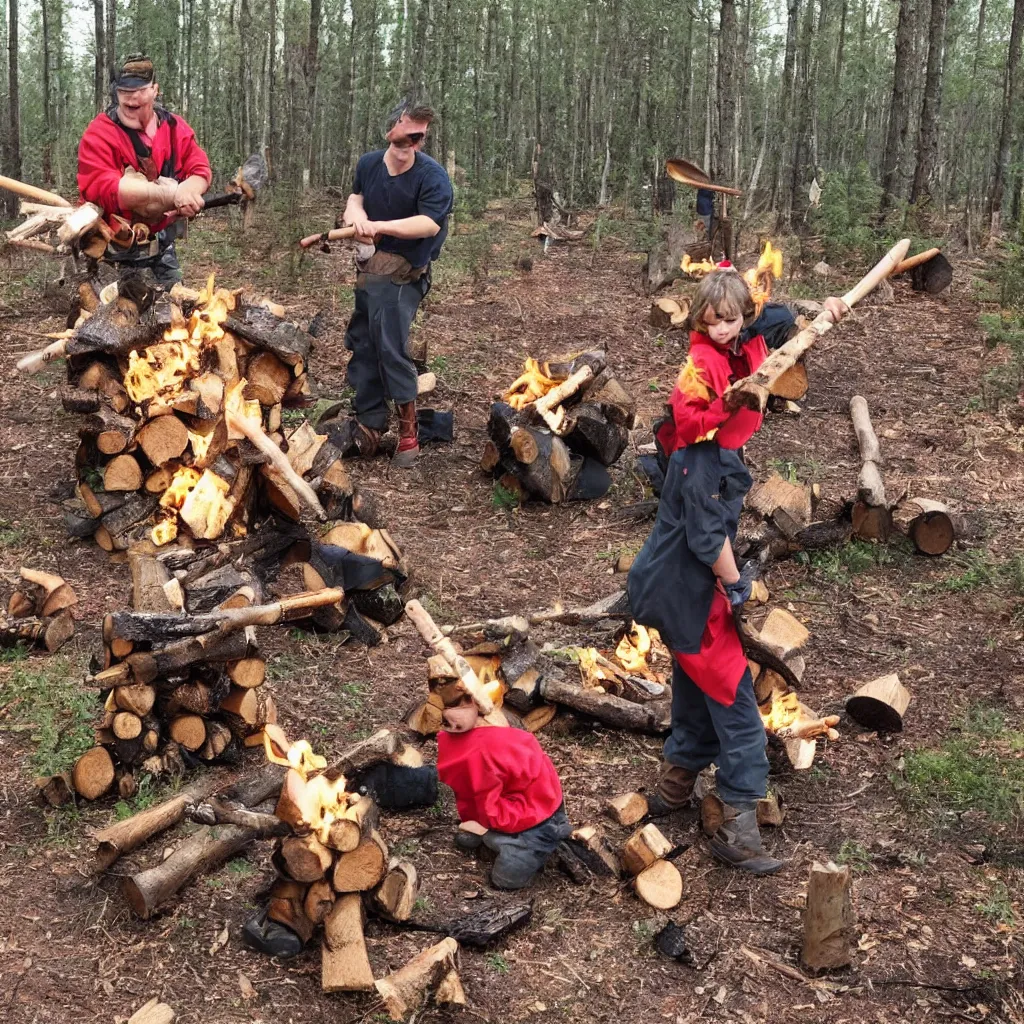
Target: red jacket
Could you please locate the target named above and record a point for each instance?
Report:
(106, 150)
(501, 777)
(696, 401)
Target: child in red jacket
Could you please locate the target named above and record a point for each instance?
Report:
(685, 581)
(507, 791)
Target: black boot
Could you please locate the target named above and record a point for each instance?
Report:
(738, 843)
(674, 792)
(270, 937)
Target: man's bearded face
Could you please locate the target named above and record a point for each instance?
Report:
(405, 127)
(135, 106)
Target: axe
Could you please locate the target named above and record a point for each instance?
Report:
(243, 187)
(334, 235)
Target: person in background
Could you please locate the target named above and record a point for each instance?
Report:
(399, 206)
(139, 162)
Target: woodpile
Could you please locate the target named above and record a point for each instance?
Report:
(558, 427)
(39, 612)
(182, 437)
(509, 675)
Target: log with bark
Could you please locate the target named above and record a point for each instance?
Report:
(407, 989)
(928, 525)
(203, 851)
(872, 519)
(345, 966)
(653, 718)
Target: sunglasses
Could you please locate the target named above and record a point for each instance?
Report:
(412, 139)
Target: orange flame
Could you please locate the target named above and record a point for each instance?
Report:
(759, 278)
(534, 383)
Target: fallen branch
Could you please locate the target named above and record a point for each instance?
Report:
(606, 608)
(753, 392)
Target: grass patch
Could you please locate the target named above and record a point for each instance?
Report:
(977, 770)
(978, 570)
(497, 963)
(46, 699)
(149, 793)
(997, 908)
(11, 534)
(855, 854)
(504, 498)
(840, 565)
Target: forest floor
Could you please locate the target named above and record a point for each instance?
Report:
(929, 820)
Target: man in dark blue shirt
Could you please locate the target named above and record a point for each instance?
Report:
(399, 207)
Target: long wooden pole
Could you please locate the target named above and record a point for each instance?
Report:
(752, 392)
(26, 191)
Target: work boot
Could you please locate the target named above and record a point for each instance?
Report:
(270, 937)
(408, 437)
(738, 843)
(674, 792)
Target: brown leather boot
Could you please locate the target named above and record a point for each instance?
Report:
(408, 436)
(674, 792)
(738, 843)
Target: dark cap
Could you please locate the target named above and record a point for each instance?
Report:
(135, 72)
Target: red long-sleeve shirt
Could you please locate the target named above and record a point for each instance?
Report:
(698, 413)
(106, 150)
(501, 777)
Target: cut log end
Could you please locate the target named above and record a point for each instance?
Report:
(660, 885)
(829, 923)
(627, 809)
(880, 704)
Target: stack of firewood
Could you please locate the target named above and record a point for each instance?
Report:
(183, 397)
(330, 856)
(617, 688)
(39, 612)
(559, 425)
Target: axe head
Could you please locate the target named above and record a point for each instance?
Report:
(251, 177)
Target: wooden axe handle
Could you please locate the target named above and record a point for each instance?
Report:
(328, 236)
(35, 361)
(39, 195)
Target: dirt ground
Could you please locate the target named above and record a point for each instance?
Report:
(927, 878)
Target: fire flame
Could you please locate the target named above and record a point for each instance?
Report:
(632, 657)
(759, 278)
(162, 369)
(534, 383)
(177, 490)
(206, 507)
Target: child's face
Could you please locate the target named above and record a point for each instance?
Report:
(461, 717)
(721, 330)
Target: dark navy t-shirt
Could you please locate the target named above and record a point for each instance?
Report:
(423, 189)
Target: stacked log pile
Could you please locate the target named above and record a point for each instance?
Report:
(558, 427)
(183, 437)
(617, 687)
(39, 612)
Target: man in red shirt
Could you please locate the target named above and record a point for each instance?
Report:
(139, 162)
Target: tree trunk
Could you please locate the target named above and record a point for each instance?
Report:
(928, 142)
(14, 108)
(724, 170)
(100, 56)
(1006, 120)
(892, 187)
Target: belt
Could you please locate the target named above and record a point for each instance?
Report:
(363, 278)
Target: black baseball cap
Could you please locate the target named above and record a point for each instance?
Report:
(135, 72)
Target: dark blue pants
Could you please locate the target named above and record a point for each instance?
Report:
(378, 338)
(733, 738)
(521, 854)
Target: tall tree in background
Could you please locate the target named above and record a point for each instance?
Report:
(1006, 120)
(899, 106)
(14, 104)
(729, 62)
(99, 54)
(928, 142)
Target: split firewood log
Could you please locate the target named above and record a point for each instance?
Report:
(792, 385)
(56, 593)
(349, 828)
(287, 907)
(669, 313)
(600, 855)
(880, 704)
(51, 633)
(406, 990)
(660, 885)
(645, 846)
(306, 858)
(829, 922)
(627, 809)
(319, 900)
(396, 896)
(153, 1012)
(163, 439)
(381, 746)
(345, 966)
